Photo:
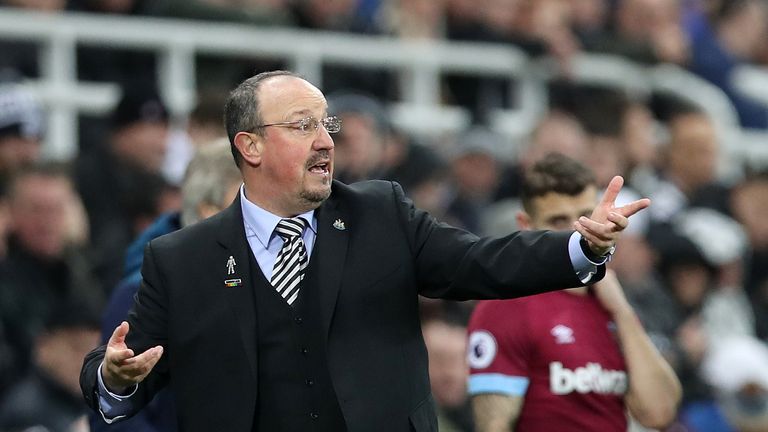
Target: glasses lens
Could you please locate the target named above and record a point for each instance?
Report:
(332, 124)
(309, 124)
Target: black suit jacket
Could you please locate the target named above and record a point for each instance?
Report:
(370, 275)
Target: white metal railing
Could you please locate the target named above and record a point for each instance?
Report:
(419, 66)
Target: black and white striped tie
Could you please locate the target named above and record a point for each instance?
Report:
(292, 259)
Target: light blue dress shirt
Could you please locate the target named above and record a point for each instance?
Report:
(260, 231)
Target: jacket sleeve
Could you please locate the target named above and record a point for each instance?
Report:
(150, 304)
(454, 264)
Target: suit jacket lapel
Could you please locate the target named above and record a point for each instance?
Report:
(239, 293)
(330, 251)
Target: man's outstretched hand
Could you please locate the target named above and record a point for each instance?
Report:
(603, 227)
(121, 368)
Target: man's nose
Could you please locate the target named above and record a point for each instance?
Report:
(323, 140)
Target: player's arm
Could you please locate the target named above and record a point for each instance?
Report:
(496, 412)
(499, 375)
(654, 391)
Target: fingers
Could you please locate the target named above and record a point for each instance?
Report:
(137, 368)
(118, 336)
(617, 223)
(132, 370)
(118, 356)
(634, 207)
(612, 191)
(606, 231)
(620, 221)
(599, 238)
(121, 367)
(148, 357)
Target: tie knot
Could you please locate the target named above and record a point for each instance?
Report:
(290, 228)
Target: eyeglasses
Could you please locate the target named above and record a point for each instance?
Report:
(309, 125)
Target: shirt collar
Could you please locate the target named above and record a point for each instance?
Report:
(261, 223)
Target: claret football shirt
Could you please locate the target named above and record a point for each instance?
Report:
(557, 350)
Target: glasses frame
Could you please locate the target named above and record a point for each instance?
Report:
(331, 124)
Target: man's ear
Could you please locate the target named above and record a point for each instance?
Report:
(249, 146)
(523, 220)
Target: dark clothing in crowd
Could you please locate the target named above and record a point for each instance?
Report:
(33, 287)
(38, 400)
(115, 194)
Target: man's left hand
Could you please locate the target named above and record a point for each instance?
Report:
(601, 230)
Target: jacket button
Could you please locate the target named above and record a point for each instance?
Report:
(310, 382)
(298, 320)
(314, 416)
(305, 351)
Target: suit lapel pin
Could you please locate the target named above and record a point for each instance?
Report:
(339, 225)
(231, 283)
(231, 265)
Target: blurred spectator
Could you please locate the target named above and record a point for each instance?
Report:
(416, 19)
(448, 373)
(721, 240)
(700, 257)
(690, 167)
(688, 278)
(211, 182)
(120, 180)
(423, 174)
(751, 209)
(475, 172)
(639, 136)
(361, 142)
(736, 368)
(21, 128)
(43, 269)
(48, 398)
(606, 158)
(204, 126)
(556, 132)
(733, 34)
(647, 31)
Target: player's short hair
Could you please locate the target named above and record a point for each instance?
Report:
(555, 173)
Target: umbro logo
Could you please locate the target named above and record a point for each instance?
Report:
(563, 334)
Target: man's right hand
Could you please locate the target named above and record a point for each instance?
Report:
(121, 368)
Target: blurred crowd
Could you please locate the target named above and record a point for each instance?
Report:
(694, 266)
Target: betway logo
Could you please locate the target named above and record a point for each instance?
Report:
(591, 378)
